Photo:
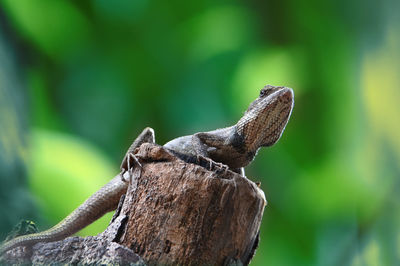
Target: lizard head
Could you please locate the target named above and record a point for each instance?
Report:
(265, 120)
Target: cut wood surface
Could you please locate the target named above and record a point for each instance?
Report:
(173, 213)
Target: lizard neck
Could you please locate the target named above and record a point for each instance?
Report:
(242, 154)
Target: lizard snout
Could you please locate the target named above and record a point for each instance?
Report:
(286, 95)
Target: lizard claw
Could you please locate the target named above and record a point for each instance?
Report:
(201, 158)
(222, 166)
(212, 165)
(130, 159)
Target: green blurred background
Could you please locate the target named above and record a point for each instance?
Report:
(80, 79)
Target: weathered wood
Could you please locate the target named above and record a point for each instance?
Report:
(173, 213)
(91, 250)
(180, 213)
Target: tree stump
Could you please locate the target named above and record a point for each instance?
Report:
(181, 213)
(173, 213)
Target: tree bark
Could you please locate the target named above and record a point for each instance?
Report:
(180, 213)
(173, 213)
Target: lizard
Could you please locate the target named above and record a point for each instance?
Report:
(232, 147)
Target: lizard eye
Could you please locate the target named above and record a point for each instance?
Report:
(263, 92)
(267, 90)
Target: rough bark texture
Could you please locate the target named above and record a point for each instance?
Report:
(173, 213)
(94, 250)
(180, 213)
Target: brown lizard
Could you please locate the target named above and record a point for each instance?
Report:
(232, 147)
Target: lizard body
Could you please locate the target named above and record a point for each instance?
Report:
(236, 146)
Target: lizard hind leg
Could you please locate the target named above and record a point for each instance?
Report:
(147, 135)
(132, 160)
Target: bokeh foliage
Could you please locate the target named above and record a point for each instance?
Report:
(79, 79)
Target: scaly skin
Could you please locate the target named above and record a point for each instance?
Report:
(104, 200)
(236, 146)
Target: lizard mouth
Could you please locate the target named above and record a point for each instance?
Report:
(285, 95)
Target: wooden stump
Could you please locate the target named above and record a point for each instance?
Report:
(173, 213)
(181, 213)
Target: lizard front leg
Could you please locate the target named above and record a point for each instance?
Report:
(213, 147)
(204, 145)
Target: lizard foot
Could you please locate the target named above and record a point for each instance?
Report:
(220, 167)
(131, 159)
(211, 165)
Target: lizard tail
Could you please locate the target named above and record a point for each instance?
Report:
(104, 200)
